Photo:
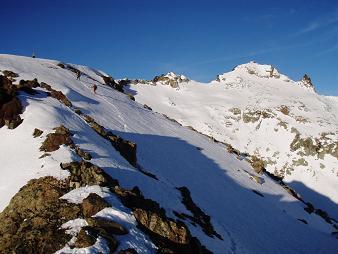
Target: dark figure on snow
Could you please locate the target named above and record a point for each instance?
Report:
(78, 74)
(94, 88)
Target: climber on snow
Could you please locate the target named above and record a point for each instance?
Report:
(94, 88)
(78, 74)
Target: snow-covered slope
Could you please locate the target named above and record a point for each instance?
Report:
(264, 113)
(249, 213)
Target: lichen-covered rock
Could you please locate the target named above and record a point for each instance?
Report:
(168, 229)
(170, 79)
(252, 116)
(84, 239)
(257, 164)
(84, 173)
(84, 155)
(37, 133)
(10, 75)
(106, 226)
(31, 222)
(93, 204)
(10, 106)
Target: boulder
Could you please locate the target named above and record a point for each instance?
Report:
(31, 222)
(84, 239)
(93, 204)
(53, 141)
(37, 133)
(105, 226)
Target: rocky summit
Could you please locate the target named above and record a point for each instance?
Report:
(244, 164)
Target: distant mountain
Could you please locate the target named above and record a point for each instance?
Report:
(93, 171)
(262, 112)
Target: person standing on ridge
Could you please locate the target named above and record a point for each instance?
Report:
(78, 74)
(94, 88)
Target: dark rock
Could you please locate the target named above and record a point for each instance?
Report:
(309, 209)
(126, 148)
(60, 97)
(10, 75)
(46, 86)
(84, 239)
(61, 65)
(307, 82)
(84, 173)
(107, 226)
(131, 97)
(55, 140)
(199, 217)
(84, 155)
(96, 231)
(78, 111)
(258, 193)
(10, 106)
(302, 220)
(29, 83)
(37, 133)
(93, 204)
(147, 107)
(109, 81)
(128, 251)
(173, 231)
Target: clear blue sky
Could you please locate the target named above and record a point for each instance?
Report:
(141, 38)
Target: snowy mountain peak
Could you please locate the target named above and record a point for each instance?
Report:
(171, 79)
(251, 71)
(260, 70)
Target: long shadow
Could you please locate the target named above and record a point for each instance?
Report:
(248, 221)
(245, 218)
(319, 201)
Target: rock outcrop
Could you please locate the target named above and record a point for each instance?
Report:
(10, 106)
(31, 222)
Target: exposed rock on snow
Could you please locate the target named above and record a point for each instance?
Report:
(10, 106)
(307, 83)
(92, 204)
(31, 223)
(170, 79)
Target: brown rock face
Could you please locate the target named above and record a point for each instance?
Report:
(84, 239)
(37, 133)
(31, 222)
(107, 226)
(307, 82)
(84, 173)
(93, 204)
(55, 140)
(10, 106)
(109, 81)
(175, 232)
(10, 75)
(257, 164)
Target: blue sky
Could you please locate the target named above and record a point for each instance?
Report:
(141, 38)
